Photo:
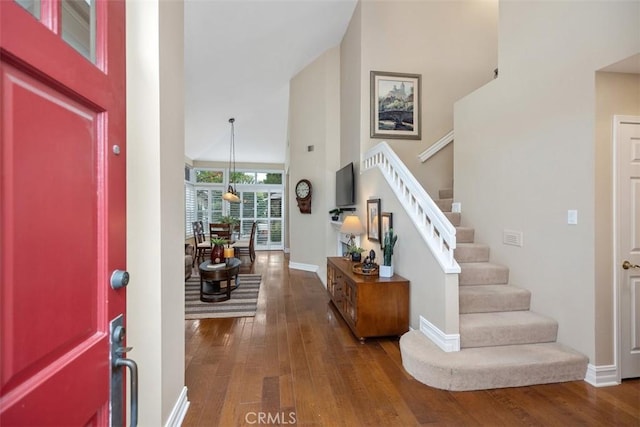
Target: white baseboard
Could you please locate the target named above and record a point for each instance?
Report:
(602, 376)
(446, 342)
(306, 267)
(179, 410)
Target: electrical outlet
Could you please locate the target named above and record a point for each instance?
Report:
(572, 217)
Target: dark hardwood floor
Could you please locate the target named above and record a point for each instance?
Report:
(296, 362)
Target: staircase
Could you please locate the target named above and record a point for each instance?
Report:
(502, 342)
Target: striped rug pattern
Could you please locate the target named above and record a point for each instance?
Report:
(243, 302)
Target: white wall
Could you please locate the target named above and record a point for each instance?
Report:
(155, 212)
(314, 119)
(452, 44)
(351, 91)
(524, 150)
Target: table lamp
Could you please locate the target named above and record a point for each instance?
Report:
(352, 226)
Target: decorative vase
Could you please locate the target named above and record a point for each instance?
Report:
(356, 256)
(217, 254)
(386, 271)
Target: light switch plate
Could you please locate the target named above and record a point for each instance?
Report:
(572, 217)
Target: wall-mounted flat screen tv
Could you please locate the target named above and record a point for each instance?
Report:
(345, 186)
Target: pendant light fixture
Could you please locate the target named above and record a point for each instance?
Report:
(231, 195)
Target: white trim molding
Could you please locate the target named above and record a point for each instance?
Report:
(305, 267)
(447, 342)
(618, 279)
(179, 410)
(602, 376)
(439, 145)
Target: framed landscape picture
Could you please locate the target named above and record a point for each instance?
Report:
(395, 105)
(373, 219)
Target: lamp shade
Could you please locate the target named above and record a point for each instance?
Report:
(231, 196)
(352, 225)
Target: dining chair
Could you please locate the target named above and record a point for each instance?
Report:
(220, 231)
(203, 246)
(247, 247)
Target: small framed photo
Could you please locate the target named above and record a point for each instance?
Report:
(395, 105)
(373, 219)
(386, 225)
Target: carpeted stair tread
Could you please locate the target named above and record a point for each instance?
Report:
(489, 367)
(503, 343)
(482, 273)
(506, 328)
(446, 193)
(471, 252)
(465, 234)
(444, 204)
(453, 217)
(490, 298)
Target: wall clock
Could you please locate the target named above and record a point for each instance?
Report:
(303, 196)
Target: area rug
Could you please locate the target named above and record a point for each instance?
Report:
(243, 302)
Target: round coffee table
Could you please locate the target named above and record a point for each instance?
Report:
(212, 274)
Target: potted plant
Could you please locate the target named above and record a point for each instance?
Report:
(232, 221)
(386, 269)
(217, 250)
(356, 253)
(335, 214)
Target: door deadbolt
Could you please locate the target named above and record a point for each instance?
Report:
(119, 279)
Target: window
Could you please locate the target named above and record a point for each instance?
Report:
(190, 208)
(261, 193)
(209, 205)
(209, 176)
(78, 26)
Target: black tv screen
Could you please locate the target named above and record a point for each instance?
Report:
(345, 186)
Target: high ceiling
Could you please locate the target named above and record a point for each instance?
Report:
(239, 58)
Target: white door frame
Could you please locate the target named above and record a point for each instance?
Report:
(618, 120)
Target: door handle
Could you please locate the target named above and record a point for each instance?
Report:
(118, 363)
(627, 265)
(133, 371)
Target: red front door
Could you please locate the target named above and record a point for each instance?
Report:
(62, 207)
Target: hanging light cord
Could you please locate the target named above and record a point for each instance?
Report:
(232, 156)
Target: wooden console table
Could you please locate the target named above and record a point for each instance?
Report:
(372, 306)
